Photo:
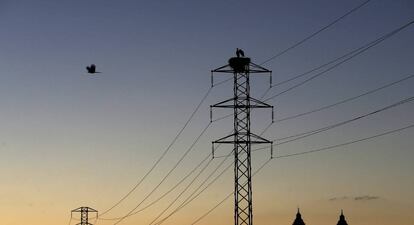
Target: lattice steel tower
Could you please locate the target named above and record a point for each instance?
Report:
(84, 213)
(242, 138)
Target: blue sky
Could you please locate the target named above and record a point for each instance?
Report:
(63, 130)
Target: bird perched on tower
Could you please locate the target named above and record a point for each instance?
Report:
(239, 53)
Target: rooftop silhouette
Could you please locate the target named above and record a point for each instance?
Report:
(298, 220)
(342, 220)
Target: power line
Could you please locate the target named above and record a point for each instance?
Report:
(190, 119)
(323, 129)
(296, 77)
(181, 181)
(309, 37)
(171, 189)
(337, 103)
(162, 155)
(174, 201)
(321, 66)
(345, 100)
(346, 143)
(333, 104)
(304, 40)
(306, 134)
(222, 82)
(186, 187)
(212, 209)
(367, 47)
(168, 148)
(193, 195)
(313, 132)
(326, 128)
(346, 57)
(176, 185)
(342, 123)
(317, 32)
(130, 213)
(202, 183)
(228, 196)
(359, 52)
(308, 152)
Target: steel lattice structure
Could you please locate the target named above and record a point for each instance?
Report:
(242, 138)
(84, 213)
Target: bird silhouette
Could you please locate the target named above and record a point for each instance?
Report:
(92, 69)
(239, 53)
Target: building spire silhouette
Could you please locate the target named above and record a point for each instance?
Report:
(298, 220)
(342, 220)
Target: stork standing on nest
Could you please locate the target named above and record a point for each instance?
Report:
(239, 53)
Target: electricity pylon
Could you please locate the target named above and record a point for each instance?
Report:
(242, 138)
(84, 214)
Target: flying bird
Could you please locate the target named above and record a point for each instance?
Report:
(239, 53)
(92, 69)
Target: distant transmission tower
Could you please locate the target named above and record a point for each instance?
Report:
(242, 138)
(84, 214)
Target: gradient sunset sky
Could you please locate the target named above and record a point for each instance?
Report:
(68, 139)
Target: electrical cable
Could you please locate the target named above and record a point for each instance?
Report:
(348, 56)
(321, 66)
(332, 147)
(130, 213)
(283, 92)
(341, 102)
(175, 200)
(309, 133)
(222, 82)
(309, 37)
(228, 196)
(162, 155)
(193, 195)
(316, 33)
(345, 100)
(176, 185)
(302, 135)
(171, 189)
(313, 132)
(202, 183)
(367, 47)
(122, 199)
(359, 52)
(346, 143)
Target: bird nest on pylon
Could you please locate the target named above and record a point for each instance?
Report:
(239, 64)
